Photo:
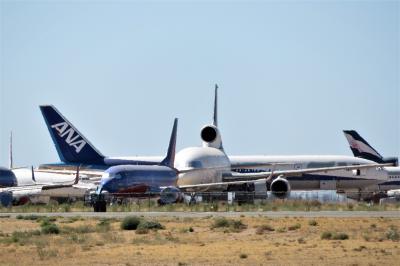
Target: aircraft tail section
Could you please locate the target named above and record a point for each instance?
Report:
(169, 160)
(10, 156)
(210, 134)
(71, 145)
(362, 149)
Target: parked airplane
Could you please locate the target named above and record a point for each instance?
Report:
(74, 148)
(213, 165)
(34, 191)
(362, 149)
(24, 184)
(169, 181)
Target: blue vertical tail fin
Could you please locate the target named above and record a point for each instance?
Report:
(169, 160)
(71, 145)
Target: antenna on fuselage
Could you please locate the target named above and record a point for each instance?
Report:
(215, 121)
(11, 163)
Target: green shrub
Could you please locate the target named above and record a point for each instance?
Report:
(191, 229)
(50, 229)
(220, 222)
(31, 217)
(392, 234)
(243, 256)
(153, 225)
(261, 229)
(294, 227)
(234, 225)
(23, 236)
(238, 225)
(83, 229)
(46, 220)
(130, 223)
(326, 235)
(141, 231)
(340, 236)
(334, 236)
(312, 223)
(281, 229)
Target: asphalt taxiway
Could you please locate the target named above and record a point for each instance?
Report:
(270, 214)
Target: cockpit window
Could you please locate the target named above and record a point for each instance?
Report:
(118, 176)
(194, 164)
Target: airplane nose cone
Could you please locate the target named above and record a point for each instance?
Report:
(7, 178)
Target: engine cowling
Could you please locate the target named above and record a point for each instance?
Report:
(280, 187)
(6, 198)
(211, 137)
(392, 160)
(170, 195)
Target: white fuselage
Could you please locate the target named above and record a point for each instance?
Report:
(392, 181)
(202, 158)
(211, 165)
(335, 180)
(24, 177)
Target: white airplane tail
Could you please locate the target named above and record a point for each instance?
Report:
(210, 133)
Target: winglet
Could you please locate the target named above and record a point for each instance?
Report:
(170, 158)
(215, 120)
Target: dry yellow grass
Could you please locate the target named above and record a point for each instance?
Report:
(367, 243)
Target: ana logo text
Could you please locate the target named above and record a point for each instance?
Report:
(72, 139)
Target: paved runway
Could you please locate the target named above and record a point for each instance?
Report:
(271, 214)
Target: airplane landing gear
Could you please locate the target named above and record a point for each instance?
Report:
(99, 204)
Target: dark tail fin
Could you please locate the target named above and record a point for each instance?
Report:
(361, 148)
(10, 158)
(170, 158)
(215, 120)
(71, 145)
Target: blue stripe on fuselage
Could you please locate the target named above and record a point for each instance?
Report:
(312, 177)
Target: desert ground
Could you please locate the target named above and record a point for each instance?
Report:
(27, 240)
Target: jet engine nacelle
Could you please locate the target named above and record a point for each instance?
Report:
(6, 198)
(280, 187)
(170, 195)
(392, 160)
(211, 137)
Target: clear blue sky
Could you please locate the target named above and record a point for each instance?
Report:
(291, 75)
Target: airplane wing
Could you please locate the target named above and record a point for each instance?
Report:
(246, 165)
(242, 178)
(86, 185)
(21, 188)
(92, 174)
(299, 172)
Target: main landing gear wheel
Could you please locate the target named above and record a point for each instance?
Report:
(100, 206)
